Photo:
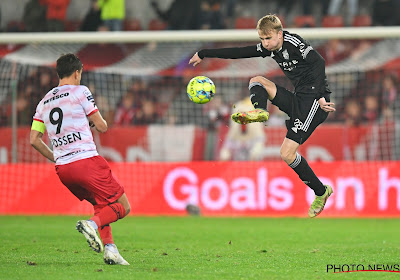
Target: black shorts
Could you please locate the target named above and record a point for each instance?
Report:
(304, 112)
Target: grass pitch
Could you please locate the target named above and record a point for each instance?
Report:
(200, 248)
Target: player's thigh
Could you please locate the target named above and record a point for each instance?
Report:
(94, 178)
(68, 175)
(101, 181)
(305, 118)
(283, 100)
(269, 86)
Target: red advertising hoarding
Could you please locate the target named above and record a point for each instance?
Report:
(361, 189)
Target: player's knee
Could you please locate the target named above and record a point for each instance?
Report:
(127, 209)
(257, 79)
(287, 155)
(266, 84)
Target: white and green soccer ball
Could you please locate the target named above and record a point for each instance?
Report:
(200, 89)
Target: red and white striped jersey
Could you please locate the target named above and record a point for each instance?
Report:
(64, 111)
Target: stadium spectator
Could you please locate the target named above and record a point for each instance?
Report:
(389, 89)
(371, 108)
(112, 13)
(286, 6)
(147, 114)
(352, 113)
(243, 142)
(389, 95)
(180, 15)
(218, 113)
(211, 15)
(22, 106)
(66, 112)
(56, 14)
(385, 12)
(126, 111)
(230, 7)
(92, 20)
(335, 50)
(307, 107)
(352, 9)
(34, 16)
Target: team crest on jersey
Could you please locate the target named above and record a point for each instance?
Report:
(285, 54)
(55, 91)
(259, 49)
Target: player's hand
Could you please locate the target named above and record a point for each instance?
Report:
(326, 106)
(195, 60)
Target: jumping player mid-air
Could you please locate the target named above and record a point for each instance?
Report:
(307, 107)
(66, 112)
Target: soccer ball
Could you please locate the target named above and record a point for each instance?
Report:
(200, 89)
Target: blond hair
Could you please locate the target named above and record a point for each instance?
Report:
(268, 23)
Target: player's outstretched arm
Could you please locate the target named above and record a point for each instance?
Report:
(99, 123)
(38, 144)
(195, 59)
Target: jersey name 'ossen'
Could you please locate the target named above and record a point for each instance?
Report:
(62, 107)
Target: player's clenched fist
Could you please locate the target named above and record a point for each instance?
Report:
(195, 59)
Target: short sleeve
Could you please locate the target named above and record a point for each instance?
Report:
(86, 99)
(37, 116)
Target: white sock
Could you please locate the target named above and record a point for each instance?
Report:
(112, 247)
(92, 224)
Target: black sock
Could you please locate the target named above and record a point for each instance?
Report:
(301, 167)
(258, 96)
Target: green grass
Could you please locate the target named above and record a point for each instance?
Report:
(200, 248)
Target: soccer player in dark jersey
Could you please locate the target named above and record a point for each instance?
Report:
(307, 107)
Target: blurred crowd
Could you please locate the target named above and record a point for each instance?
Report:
(373, 98)
(102, 15)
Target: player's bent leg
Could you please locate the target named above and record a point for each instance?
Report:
(89, 232)
(319, 202)
(269, 86)
(112, 256)
(261, 90)
(125, 203)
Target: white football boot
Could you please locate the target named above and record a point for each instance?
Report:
(91, 235)
(112, 256)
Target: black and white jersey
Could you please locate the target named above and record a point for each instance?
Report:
(303, 65)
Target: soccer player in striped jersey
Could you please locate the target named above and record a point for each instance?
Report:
(66, 112)
(307, 107)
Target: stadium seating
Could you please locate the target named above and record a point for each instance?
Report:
(332, 21)
(304, 21)
(132, 25)
(71, 26)
(245, 23)
(15, 26)
(362, 20)
(156, 24)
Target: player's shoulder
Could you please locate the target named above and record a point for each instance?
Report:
(81, 89)
(293, 39)
(49, 96)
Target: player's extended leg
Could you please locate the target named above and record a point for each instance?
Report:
(111, 253)
(300, 166)
(261, 89)
(104, 215)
